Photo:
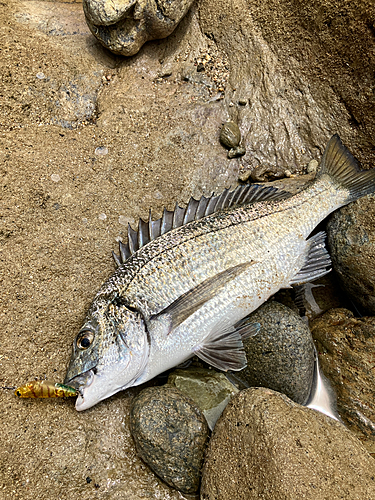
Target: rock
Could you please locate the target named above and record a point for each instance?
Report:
(346, 348)
(236, 152)
(124, 26)
(230, 135)
(276, 63)
(170, 435)
(312, 167)
(269, 173)
(266, 446)
(209, 389)
(351, 240)
(281, 355)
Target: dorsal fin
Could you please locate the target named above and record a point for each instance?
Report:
(195, 210)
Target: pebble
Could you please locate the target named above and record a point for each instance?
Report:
(101, 151)
(209, 389)
(264, 173)
(312, 167)
(281, 355)
(55, 177)
(102, 216)
(170, 434)
(236, 152)
(40, 75)
(157, 195)
(265, 446)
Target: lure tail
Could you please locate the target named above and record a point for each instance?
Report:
(343, 168)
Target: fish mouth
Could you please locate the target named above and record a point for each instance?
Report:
(82, 381)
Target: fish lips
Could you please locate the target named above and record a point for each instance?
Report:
(79, 382)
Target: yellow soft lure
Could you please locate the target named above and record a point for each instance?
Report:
(44, 389)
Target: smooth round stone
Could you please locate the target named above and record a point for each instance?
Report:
(351, 241)
(281, 355)
(123, 26)
(265, 446)
(170, 434)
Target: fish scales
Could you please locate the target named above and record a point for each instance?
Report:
(186, 291)
(180, 260)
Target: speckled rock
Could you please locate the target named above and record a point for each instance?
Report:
(265, 446)
(281, 355)
(124, 26)
(209, 389)
(346, 348)
(351, 240)
(170, 435)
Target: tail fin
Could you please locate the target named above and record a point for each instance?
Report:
(343, 168)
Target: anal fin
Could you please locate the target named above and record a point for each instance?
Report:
(317, 261)
(224, 349)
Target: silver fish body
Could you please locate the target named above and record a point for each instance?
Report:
(184, 284)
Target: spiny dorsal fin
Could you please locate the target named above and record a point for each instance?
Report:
(195, 210)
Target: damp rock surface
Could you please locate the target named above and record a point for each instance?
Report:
(281, 355)
(170, 434)
(346, 347)
(124, 26)
(266, 446)
(210, 390)
(351, 239)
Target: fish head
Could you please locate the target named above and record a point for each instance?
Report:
(110, 352)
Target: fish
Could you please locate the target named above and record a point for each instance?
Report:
(44, 389)
(185, 281)
(322, 397)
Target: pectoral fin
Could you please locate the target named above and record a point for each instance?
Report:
(224, 349)
(189, 302)
(317, 261)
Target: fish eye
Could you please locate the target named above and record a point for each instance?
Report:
(84, 339)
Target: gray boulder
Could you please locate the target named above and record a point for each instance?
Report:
(281, 355)
(170, 434)
(351, 239)
(266, 446)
